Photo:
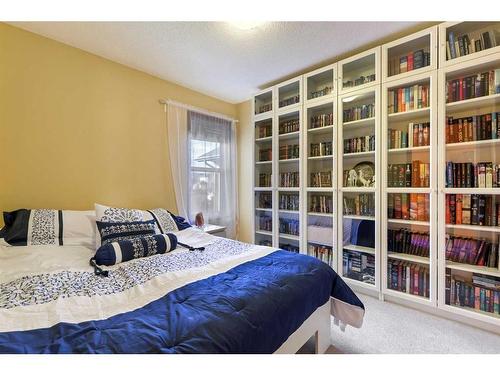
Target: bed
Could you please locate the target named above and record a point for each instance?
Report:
(232, 297)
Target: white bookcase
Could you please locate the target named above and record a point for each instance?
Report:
(413, 54)
(349, 225)
(289, 227)
(474, 31)
(358, 232)
(409, 188)
(319, 166)
(459, 145)
(360, 71)
(265, 131)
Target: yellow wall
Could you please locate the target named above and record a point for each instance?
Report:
(77, 129)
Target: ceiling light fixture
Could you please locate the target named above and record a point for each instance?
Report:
(246, 25)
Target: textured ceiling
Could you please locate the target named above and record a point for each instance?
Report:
(216, 58)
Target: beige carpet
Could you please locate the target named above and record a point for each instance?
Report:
(392, 329)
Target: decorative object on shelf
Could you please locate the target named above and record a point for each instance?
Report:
(362, 175)
(199, 221)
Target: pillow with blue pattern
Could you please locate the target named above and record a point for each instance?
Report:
(112, 232)
(125, 250)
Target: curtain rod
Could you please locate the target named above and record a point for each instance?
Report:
(196, 109)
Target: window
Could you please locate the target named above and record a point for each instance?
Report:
(211, 165)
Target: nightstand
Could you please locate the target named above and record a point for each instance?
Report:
(215, 230)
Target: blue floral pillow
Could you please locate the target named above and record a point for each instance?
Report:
(113, 232)
(125, 250)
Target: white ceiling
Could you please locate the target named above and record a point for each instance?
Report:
(216, 58)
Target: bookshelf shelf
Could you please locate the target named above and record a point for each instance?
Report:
(360, 155)
(293, 160)
(325, 157)
(360, 249)
(289, 135)
(293, 212)
(263, 209)
(359, 217)
(472, 104)
(479, 228)
(319, 189)
(409, 115)
(418, 149)
(359, 123)
(473, 145)
(264, 139)
(323, 214)
(474, 269)
(263, 189)
(264, 232)
(289, 237)
(263, 162)
(358, 189)
(408, 222)
(486, 191)
(409, 258)
(321, 129)
(413, 190)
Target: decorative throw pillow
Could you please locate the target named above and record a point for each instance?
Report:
(112, 232)
(180, 222)
(164, 220)
(25, 227)
(125, 250)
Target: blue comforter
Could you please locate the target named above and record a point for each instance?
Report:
(251, 308)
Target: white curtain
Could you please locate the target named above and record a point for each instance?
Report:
(203, 159)
(177, 143)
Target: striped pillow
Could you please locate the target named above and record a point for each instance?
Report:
(122, 251)
(112, 232)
